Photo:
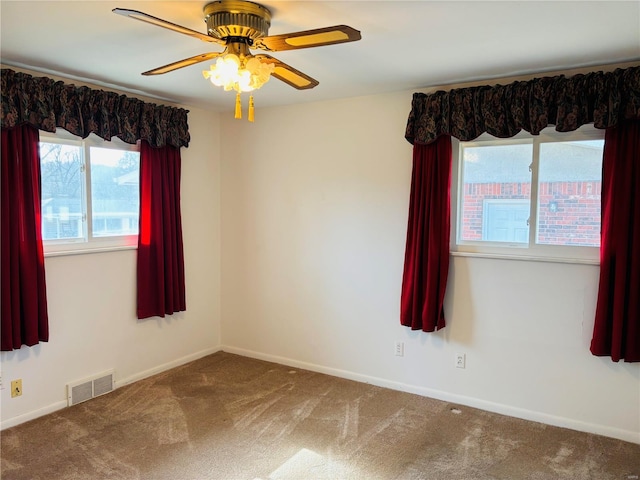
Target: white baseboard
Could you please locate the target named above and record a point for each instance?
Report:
(12, 422)
(503, 409)
(165, 366)
(25, 417)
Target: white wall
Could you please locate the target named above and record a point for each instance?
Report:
(92, 303)
(314, 213)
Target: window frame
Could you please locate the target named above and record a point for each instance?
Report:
(88, 243)
(519, 251)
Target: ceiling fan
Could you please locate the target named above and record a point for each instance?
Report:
(239, 26)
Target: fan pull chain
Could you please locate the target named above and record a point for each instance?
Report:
(251, 109)
(238, 106)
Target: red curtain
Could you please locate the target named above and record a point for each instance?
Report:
(161, 287)
(617, 326)
(24, 298)
(426, 263)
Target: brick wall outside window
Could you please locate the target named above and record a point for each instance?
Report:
(565, 209)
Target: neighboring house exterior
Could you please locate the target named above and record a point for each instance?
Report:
(496, 199)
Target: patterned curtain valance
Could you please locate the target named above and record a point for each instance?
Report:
(47, 104)
(603, 99)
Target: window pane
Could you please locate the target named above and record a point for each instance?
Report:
(569, 185)
(496, 193)
(115, 198)
(62, 182)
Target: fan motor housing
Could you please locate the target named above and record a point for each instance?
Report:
(237, 18)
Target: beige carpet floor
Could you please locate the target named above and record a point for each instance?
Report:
(229, 417)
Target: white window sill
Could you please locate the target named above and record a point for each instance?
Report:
(84, 251)
(526, 258)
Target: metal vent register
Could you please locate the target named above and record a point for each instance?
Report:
(83, 390)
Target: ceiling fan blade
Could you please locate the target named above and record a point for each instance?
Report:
(308, 38)
(288, 74)
(143, 17)
(203, 57)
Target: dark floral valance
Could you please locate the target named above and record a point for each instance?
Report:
(603, 99)
(47, 104)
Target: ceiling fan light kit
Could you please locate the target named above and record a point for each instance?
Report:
(239, 26)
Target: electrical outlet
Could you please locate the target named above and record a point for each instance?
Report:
(399, 349)
(460, 360)
(16, 388)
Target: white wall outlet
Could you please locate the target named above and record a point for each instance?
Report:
(460, 360)
(399, 351)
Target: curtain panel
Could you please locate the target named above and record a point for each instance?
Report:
(24, 298)
(604, 99)
(616, 331)
(160, 262)
(47, 104)
(426, 264)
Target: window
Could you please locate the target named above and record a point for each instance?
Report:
(529, 196)
(90, 193)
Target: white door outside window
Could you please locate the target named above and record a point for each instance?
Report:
(505, 220)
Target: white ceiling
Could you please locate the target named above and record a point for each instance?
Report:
(405, 44)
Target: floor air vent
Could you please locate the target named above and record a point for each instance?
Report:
(89, 388)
